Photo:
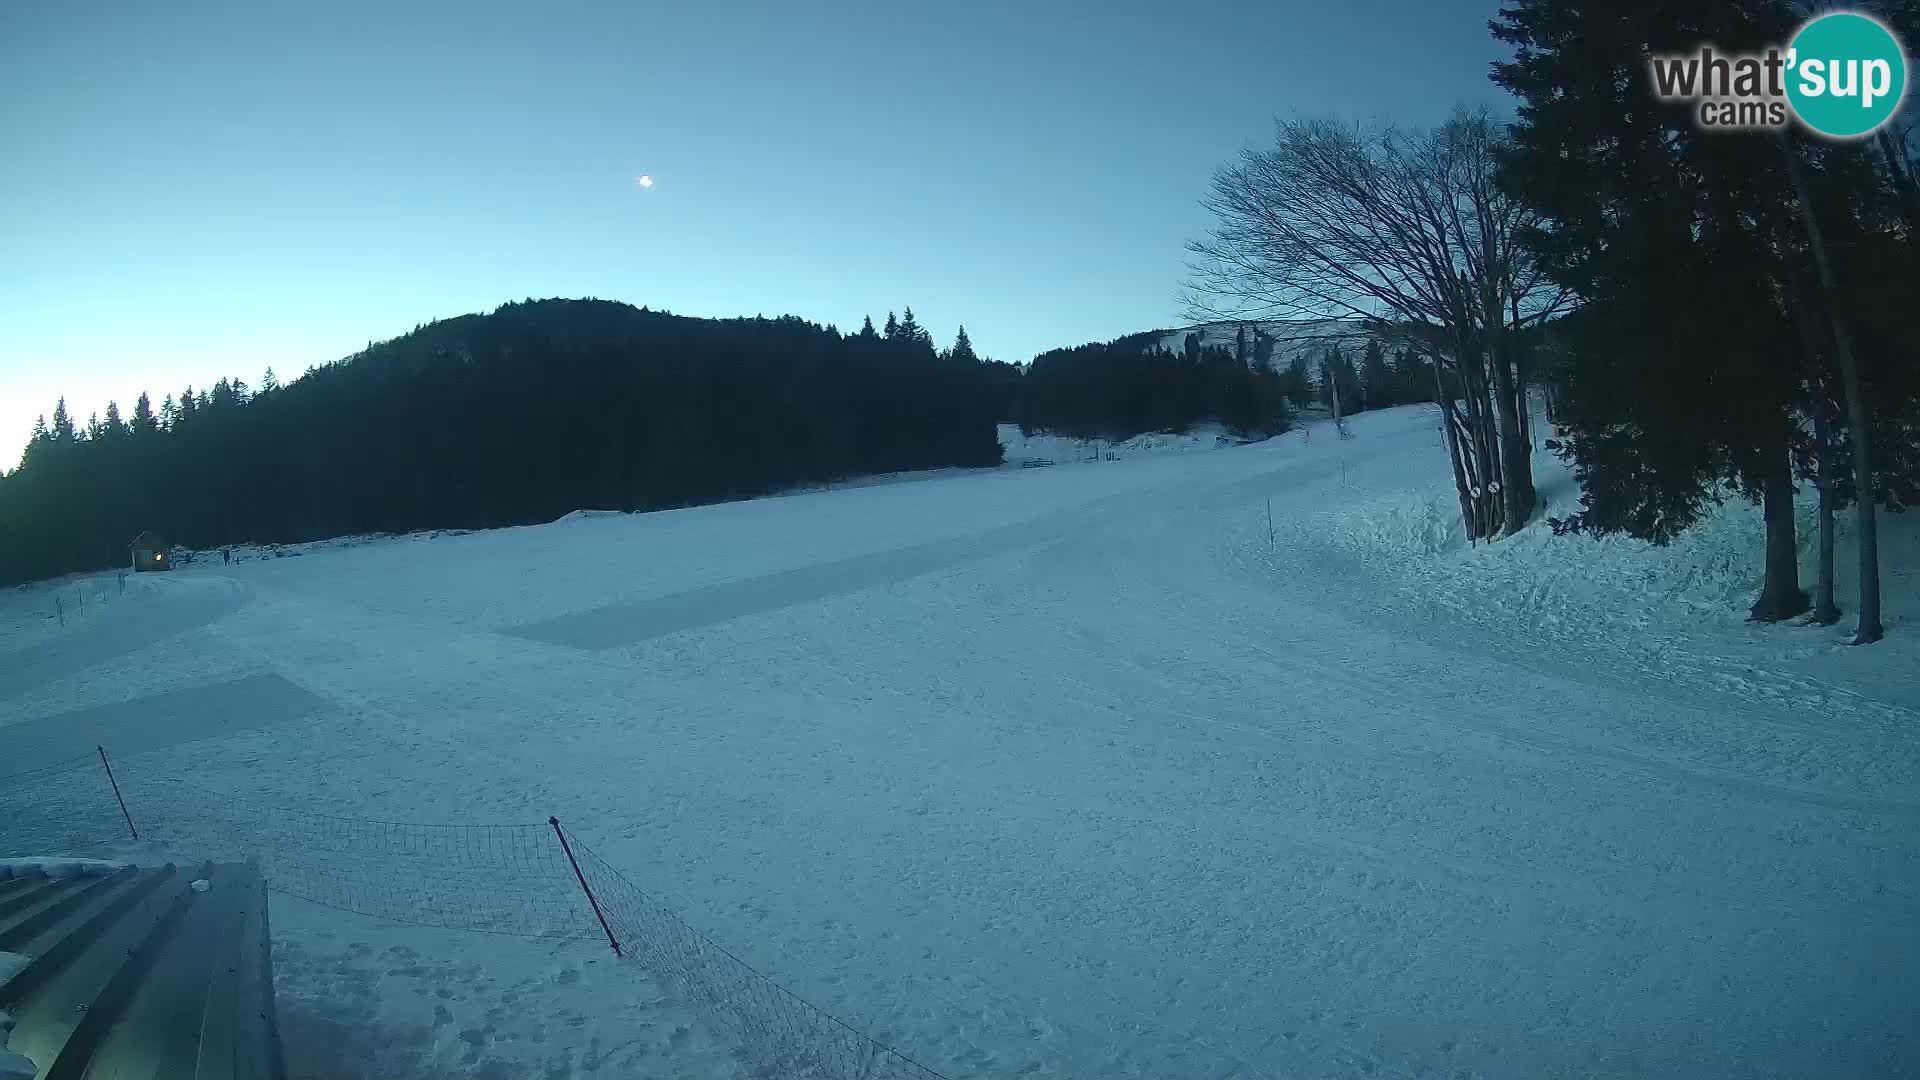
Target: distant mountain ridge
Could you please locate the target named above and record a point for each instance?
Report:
(1307, 338)
(512, 417)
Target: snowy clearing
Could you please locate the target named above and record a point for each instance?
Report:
(1075, 771)
(1040, 446)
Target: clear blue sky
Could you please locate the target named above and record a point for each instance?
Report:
(190, 190)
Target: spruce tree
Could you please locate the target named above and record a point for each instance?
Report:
(1263, 351)
(1376, 383)
(1337, 375)
(1412, 378)
(1299, 385)
(911, 331)
(963, 349)
(62, 431)
(38, 441)
(1680, 374)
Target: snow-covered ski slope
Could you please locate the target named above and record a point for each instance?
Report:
(1077, 771)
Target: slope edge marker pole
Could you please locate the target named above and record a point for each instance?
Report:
(116, 791)
(582, 879)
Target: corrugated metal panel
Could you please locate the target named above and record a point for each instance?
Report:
(137, 974)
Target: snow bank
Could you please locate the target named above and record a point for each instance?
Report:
(1688, 597)
(584, 515)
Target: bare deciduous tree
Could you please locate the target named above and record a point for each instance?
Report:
(1403, 231)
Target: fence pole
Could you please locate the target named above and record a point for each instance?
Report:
(116, 792)
(60, 609)
(582, 879)
(1269, 519)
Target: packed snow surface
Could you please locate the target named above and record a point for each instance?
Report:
(1224, 764)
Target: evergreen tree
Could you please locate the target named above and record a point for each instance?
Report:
(143, 421)
(1337, 375)
(1299, 386)
(1671, 389)
(1412, 378)
(112, 427)
(62, 432)
(963, 349)
(1121, 388)
(893, 328)
(37, 442)
(912, 332)
(866, 328)
(1376, 383)
(1240, 344)
(1262, 351)
(268, 383)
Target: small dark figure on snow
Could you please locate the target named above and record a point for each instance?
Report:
(226, 556)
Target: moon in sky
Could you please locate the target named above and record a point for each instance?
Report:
(645, 181)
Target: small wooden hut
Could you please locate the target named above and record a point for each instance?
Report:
(150, 551)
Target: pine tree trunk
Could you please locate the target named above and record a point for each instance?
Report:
(1781, 596)
(1825, 611)
(1869, 629)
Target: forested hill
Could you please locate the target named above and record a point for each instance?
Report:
(513, 417)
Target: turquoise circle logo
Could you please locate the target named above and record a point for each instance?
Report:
(1847, 74)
